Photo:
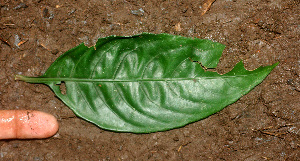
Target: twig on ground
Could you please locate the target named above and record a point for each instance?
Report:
(4, 41)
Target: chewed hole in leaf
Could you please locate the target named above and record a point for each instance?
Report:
(203, 67)
(63, 88)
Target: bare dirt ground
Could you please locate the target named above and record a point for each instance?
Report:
(262, 125)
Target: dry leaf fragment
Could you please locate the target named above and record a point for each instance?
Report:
(177, 27)
(206, 6)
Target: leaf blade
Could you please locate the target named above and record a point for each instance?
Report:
(147, 83)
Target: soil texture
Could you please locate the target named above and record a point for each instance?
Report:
(262, 125)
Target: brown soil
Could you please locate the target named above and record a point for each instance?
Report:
(262, 125)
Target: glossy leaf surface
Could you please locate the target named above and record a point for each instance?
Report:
(147, 83)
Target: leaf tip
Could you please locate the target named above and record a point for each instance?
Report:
(275, 64)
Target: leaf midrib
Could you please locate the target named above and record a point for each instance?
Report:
(44, 80)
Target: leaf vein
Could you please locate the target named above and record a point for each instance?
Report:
(236, 87)
(82, 56)
(133, 108)
(99, 94)
(179, 65)
(117, 69)
(148, 97)
(94, 70)
(168, 85)
(148, 63)
(84, 98)
(210, 91)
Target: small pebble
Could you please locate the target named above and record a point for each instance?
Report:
(20, 5)
(139, 12)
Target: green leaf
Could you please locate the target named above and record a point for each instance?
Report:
(147, 83)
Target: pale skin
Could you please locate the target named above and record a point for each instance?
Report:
(26, 124)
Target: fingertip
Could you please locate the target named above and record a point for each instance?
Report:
(36, 125)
